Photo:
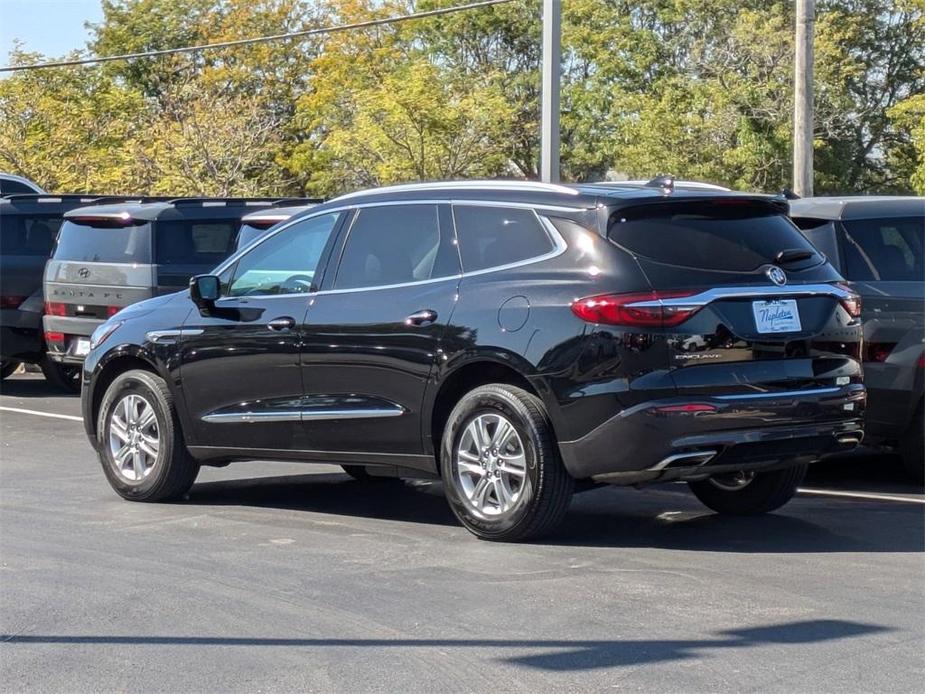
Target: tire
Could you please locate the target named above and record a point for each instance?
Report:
(526, 505)
(765, 492)
(912, 446)
(7, 369)
(64, 377)
(172, 470)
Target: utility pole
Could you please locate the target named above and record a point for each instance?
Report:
(552, 68)
(803, 99)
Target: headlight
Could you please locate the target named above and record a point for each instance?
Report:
(100, 335)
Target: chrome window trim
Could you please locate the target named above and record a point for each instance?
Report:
(301, 415)
(783, 394)
(771, 291)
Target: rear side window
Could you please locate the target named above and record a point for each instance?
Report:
(496, 236)
(710, 236)
(189, 242)
(28, 235)
(89, 244)
(395, 244)
(884, 249)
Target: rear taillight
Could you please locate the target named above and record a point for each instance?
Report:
(878, 351)
(641, 310)
(54, 337)
(112, 310)
(54, 308)
(11, 301)
(852, 302)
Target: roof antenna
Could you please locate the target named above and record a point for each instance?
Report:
(663, 181)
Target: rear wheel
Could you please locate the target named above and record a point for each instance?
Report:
(912, 446)
(501, 468)
(64, 377)
(139, 440)
(749, 493)
(8, 368)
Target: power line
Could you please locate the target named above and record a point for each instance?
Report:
(258, 39)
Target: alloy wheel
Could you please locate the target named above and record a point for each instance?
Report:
(491, 466)
(734, 481)
(134, 439)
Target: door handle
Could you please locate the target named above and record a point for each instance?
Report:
(423, 317)
(281, 325)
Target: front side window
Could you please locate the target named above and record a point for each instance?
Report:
(496, 236)
(188, 242)
(884, 249)
(395, 244)
(285, 263)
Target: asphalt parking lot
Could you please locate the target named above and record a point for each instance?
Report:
(281, 577)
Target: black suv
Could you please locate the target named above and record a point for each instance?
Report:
(512, 338)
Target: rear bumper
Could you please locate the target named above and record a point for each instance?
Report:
(648, 442)
(72, 328)
(22, 344)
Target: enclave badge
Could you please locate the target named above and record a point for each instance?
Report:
(776, 275)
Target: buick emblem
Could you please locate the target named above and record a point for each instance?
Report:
(776, 275)
(85, 273)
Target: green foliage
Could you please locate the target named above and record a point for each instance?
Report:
(701, 90)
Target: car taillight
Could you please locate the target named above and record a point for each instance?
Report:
(878, 351)
(54, 308)
(11, 301)
(851, 303)
(53, 336)
(112, 310)
(638, 310)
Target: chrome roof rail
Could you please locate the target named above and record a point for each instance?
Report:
(527, 186)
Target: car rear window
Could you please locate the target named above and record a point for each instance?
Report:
(29, 234)
(496, 236)
(885, 249)
(192, 242)
(712, 236)
(104, 244)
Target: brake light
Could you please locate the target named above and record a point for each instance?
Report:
(639, 310)
(879, 351)
(55, 308)
(112, 310)
(851, 303)
(52, 336)
(11, 301)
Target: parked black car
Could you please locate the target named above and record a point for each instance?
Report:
(877, 244)
(509, 337)
(110, 256)
(29, 224)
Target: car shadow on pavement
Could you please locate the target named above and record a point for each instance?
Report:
(558, 655)
(31, 386)
(604, 517)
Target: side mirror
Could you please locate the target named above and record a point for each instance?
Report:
(205, 290)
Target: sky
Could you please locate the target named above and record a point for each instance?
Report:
(52, 27)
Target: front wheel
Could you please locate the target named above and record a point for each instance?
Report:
(501, 468)
(749, 493)
(139, 440)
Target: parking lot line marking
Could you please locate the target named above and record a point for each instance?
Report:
(861, 495)
(70, 417)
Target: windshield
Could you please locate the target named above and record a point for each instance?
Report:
(80, 242)
(29, 234)
(711, 236)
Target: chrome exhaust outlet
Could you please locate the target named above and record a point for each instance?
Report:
(691, 459)
(850, 438)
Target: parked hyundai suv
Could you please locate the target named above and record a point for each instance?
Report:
(509, 337)
(29, 224)
(877, 243)
(110, 256)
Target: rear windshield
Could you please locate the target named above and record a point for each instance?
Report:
(193, 242)
(711, 236)
(88, 244)
(885, 249)
(29, 234)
